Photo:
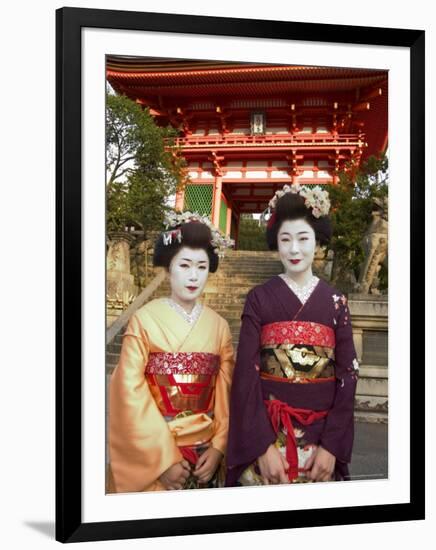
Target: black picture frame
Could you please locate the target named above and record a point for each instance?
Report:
(69, 22)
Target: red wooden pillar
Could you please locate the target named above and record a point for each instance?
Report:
(216, 200)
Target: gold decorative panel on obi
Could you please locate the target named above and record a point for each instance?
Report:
(296, 361)
(175, 393)
(182, 381)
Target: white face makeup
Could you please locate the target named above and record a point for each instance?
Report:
(189, 270)
(296, 245)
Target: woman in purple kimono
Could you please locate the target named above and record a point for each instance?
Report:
(292, 397)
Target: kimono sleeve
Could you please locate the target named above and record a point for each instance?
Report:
(140, 443)
(250, 429)
(222, 391)
(338, 433)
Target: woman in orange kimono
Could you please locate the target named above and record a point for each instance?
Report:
(169, 394)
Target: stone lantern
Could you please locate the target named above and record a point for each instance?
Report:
(120, 287)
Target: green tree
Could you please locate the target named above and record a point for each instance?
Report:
(251, 235)
(352, 201)
(143, 166)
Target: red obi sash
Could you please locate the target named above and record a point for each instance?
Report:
(182, 381)
(298, 332)
(281, 414)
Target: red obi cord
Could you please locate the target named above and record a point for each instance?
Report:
(189, 454)
(281, 414)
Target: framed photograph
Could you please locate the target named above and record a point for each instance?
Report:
(246, 110)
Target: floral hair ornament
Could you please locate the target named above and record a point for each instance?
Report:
(172, 236)
(173, 221)
(315, 198)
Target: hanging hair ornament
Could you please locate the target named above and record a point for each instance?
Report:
(315, 198)
(174, 220)
(172, 236)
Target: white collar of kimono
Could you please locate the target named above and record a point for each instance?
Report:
(302, 292)
(190, 318)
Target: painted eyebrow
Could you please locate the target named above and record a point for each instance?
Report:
(189, 260)
(299, 233)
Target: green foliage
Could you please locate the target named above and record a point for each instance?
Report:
(141, 172)
(251, 235)
(352, 201)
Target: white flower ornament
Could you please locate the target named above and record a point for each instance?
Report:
(174, 219)
(315, 198)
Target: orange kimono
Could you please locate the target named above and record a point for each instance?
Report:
(169, 393)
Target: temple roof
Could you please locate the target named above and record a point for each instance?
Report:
(158, 81)
(176, 77)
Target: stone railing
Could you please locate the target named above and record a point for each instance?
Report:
(370, 330)
(139, 301)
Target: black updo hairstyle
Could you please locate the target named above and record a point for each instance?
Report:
(194, 235)
(291, 206)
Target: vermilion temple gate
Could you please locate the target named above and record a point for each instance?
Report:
(247, 129)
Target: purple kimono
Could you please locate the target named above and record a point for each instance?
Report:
(295, 378)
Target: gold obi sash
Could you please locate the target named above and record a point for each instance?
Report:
(297, 351)
(183, 387)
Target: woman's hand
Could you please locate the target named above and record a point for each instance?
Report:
(320, 465)
(207, 464)
(273, 466)
(176, 475)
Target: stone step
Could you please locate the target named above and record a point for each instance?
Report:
(265, 262)
(235, 286)
(111, 359)
(371, 403)
(241, 278)
(224, 298)
(372, 386)
(266, 266)
(371, 417)
(255, 272)
(252, 271)
(114, 347)
(229, 315)
(370, 371)
(228, 290)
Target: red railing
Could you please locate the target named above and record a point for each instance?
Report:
(232, 140)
